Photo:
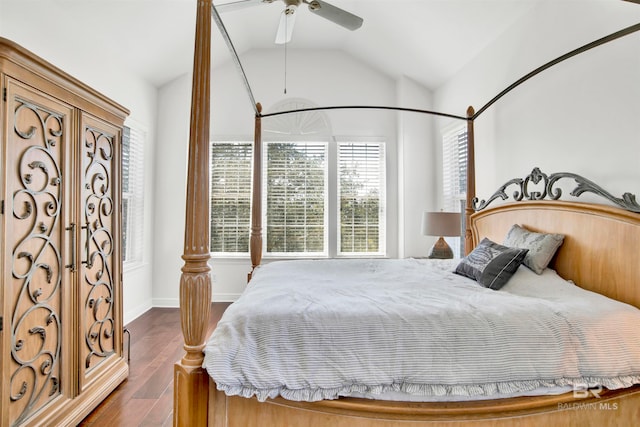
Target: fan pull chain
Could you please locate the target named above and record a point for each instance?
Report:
(285, 58)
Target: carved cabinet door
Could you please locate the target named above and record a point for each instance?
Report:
(37, 278)
(100, 274)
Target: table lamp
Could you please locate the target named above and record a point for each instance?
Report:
(441, 224)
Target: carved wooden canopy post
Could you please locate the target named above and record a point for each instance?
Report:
(471, 181)
(191, 381)
(256, 201)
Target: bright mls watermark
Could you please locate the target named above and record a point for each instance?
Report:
(583, 391)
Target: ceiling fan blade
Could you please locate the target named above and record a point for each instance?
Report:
(334, 14)
(239, 4)
(285, 28)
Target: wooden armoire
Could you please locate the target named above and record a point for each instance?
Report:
(60, 243)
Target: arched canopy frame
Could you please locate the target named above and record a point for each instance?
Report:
(471, 116)
(236, 59)
(191, 382)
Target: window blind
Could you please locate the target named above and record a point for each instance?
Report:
(231, 164)
(133, 140)
(296, 198)
(454, 174)
(362, 198)
(454, 168)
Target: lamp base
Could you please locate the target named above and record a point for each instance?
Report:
(441, 250)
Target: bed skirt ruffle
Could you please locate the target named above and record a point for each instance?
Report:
(427, 392)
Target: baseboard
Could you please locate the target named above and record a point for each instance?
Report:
(166, 302)
(225, 297)
(175, 302)
(134, 313)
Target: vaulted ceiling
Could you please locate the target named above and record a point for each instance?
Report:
(426, 40)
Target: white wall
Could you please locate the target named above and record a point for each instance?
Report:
(579, 116)
(174, 104)
(417, 175)
(114, 81)
(325, 78)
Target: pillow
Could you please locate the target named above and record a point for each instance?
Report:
(491, 264)
(541, 246)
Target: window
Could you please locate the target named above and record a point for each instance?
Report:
(321, 197)
(454, 167)
(362, 191)
(454, 174)
(231, 164)
(133, 140)
(296, 182)
(296, 215)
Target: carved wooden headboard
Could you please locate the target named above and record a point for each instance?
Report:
(601, 249)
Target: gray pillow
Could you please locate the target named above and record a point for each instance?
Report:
(491, 264)
(542, 247)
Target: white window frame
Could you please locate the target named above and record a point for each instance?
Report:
(317, 254)
(314, 126)
(454, 167)
(227, 254)
(382, 188)
(133, 199)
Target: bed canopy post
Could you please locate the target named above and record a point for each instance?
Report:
(191, 381)
(256, 201)
(471, 181)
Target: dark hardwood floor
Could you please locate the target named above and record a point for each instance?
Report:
(146, 397)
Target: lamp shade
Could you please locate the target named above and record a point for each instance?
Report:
(441, 224)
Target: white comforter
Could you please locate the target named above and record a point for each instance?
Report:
(311, 330)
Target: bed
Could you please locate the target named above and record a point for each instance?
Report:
(582, 252)
(592, 232)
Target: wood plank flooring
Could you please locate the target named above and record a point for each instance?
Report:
(146, 397)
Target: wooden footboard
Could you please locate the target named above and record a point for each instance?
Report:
(609, 408)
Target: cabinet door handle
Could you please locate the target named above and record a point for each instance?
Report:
(72, 229)
(87, 229)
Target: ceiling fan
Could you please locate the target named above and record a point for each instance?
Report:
(287, 18)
